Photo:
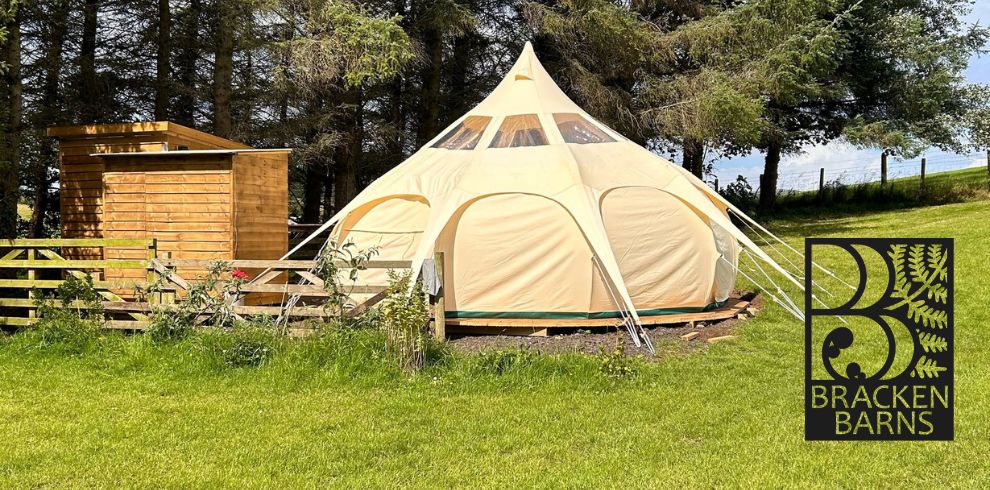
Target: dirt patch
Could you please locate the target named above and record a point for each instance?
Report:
(593, 341)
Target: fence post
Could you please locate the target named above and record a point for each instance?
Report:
(152, 274)
(439, 317)
(31, 277)
(168, 297)
(988, 168)
(883, 171)
(821, 183)
(923, 164)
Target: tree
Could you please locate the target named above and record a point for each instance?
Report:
(223, 66)
(907, 83)
(163, 65)
(10, 115)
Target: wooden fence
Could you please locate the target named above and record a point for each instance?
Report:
(128, 303)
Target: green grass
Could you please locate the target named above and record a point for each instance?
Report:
(905, 192)
(330, 413)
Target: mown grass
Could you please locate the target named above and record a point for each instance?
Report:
(330, 412)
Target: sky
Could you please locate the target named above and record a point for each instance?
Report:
(849, 164)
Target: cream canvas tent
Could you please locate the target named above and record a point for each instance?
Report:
(544, 212)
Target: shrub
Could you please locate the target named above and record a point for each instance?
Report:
(404, 319)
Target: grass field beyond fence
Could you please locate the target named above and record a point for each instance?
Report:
(329, 412)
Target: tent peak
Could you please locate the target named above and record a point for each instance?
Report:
(524, 65)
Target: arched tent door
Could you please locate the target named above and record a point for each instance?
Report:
(666, 252)
(393, 225)
(515, 256)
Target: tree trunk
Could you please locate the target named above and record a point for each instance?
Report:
(223, 70)
(312, 192)
(163, 65)
(429, 110)
(694, 157)
(346, 166)
(50, 115)
(11, 101)
(459, 64)
(185, 107)
(89, 95)
(768, 186)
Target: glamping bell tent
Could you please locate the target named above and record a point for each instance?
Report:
(542, 212)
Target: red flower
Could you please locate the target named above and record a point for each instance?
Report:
(239, 274)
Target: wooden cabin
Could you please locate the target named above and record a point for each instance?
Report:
(200, 196)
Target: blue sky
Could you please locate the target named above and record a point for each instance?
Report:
(849, 164)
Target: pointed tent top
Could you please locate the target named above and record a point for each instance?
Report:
(540, 94)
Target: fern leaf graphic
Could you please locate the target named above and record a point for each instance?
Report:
(936, 261)
(920, 312)
(927, 368)
(901, 288)
(916, 261)
(931, 342)
(938, 292)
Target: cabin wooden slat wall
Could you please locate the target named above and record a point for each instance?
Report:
(154, 180)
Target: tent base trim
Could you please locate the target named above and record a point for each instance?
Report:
(543, 326)
(568, 315)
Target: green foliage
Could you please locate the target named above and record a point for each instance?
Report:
(741, 194)
(615, 363)
(208, 301)
(405, 316)
(342, 40)
(75, 295)
(499, 361)
(244, 345)
(331, 274)
(8, 11)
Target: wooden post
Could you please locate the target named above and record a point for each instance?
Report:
(883, 171)
(988, 168)
(152, 274)
(168, 297)
(439, 317)
(923, 164)
(821, 183)
(32, 312)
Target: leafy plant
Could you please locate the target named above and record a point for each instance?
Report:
(329, 271)
(75, 294)
(404, 318)
(209, 301)
(615, 363)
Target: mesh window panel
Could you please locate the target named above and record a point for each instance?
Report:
(464, 136)
(520, 130)
(575, 129)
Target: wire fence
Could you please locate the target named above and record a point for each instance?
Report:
(862, 171)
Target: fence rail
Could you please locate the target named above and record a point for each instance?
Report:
(29, 259)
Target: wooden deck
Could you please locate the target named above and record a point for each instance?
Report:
(539, 327)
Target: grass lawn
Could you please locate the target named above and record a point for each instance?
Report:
(329, 414)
